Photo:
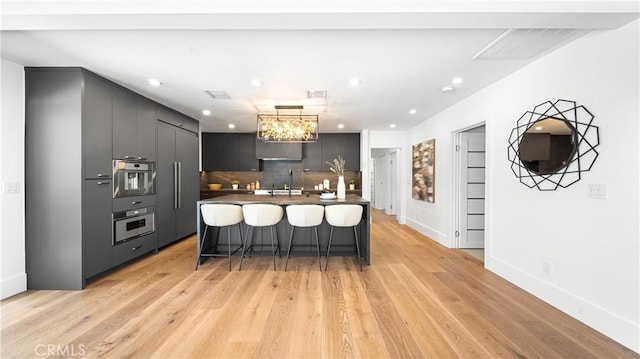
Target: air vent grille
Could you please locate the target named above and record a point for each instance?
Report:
(218, 94)
(316, 93)
(521, 44)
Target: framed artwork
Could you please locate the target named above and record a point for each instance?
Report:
(424, 171)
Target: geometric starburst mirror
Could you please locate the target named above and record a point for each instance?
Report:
(553, 144)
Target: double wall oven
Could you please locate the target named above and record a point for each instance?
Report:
(133, 178)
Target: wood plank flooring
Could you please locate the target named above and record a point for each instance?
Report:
(417, 299)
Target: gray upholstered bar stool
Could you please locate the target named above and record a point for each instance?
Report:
(262, 215)
(220, 215)
(343, 215)
(304, 215)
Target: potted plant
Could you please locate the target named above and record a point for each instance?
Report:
(352, 184)
(235, 184)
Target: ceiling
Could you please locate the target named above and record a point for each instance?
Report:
(403, 52)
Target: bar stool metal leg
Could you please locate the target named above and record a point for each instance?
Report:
(318, 247)
(355, 233)
(286, 265)
(326, 265)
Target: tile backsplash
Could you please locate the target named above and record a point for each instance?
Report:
(276, 173)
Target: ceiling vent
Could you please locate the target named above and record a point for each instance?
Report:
(316, 93)
(522, 44)
(218, 94)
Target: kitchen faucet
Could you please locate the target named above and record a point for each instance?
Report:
(290, 180)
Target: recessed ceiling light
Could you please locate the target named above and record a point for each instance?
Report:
(231, 125)
(355, 82)
(538, 128)
(457, 81)
(340, 125)
(206, 112)
(256, 83)
(412, 111)
(154, 82)
(447, 89)
(393, 125)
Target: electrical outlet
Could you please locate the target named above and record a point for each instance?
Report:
(11, 187)
(597, 190)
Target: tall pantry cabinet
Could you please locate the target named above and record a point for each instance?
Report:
(67, 177)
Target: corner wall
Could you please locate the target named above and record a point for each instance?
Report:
(13, 277)
(591, 246)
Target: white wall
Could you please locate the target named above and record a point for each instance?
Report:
(591, 245)
(13, 278)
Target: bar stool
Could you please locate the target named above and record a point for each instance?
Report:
(220, 215)
(343, 215)
(304, 215)
(262, 215)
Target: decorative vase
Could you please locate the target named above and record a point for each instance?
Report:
(341, 188)
(352, 187)
(234, 186)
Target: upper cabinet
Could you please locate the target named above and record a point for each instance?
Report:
(134, 127)
(329, 146)
(177, 119)
(96, 114)
(225, 151)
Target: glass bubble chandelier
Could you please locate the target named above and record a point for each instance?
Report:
(288, 125)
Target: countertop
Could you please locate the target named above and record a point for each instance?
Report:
(244, 198)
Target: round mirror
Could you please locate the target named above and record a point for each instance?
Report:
(547, 146)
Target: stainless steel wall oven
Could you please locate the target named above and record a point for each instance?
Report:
(133, 178)
(132, 224)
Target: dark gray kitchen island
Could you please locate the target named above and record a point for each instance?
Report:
(303, 240)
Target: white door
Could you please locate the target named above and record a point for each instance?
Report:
(392, 183)
(472, 181)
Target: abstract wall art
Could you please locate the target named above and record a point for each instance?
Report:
(424, 171)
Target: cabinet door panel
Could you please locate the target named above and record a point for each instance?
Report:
(146, 129)
(350, 150)
(165, 211)
(330, 149)
(187, 157)
(96, 226)
(96, 125)
(124, 124)
(312, 156)
(247, 160)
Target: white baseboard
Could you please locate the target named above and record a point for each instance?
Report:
(610, 324)
(427, 231)
(13, 285)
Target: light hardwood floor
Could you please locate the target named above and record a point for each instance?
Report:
(417, 299)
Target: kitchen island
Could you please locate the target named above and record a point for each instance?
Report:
(303, 240)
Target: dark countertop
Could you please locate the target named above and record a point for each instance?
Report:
(244, 198)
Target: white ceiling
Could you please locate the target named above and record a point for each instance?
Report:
(404, 52)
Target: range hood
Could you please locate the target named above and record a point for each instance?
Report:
(278, 151)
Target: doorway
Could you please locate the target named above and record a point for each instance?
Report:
(384, 179)
(470, 190)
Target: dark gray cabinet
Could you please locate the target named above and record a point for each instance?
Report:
(247, 160)
(134, 120)
(177, 181)
(329, 146)
(225, 151)
(312, 155)
(96, 226)
(67, 217)
(96, 122)
(177, 119)
(350, 150)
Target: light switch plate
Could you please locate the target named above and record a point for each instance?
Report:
(597, 190)
(11, 187)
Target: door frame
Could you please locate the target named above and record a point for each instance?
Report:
(456, 176)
